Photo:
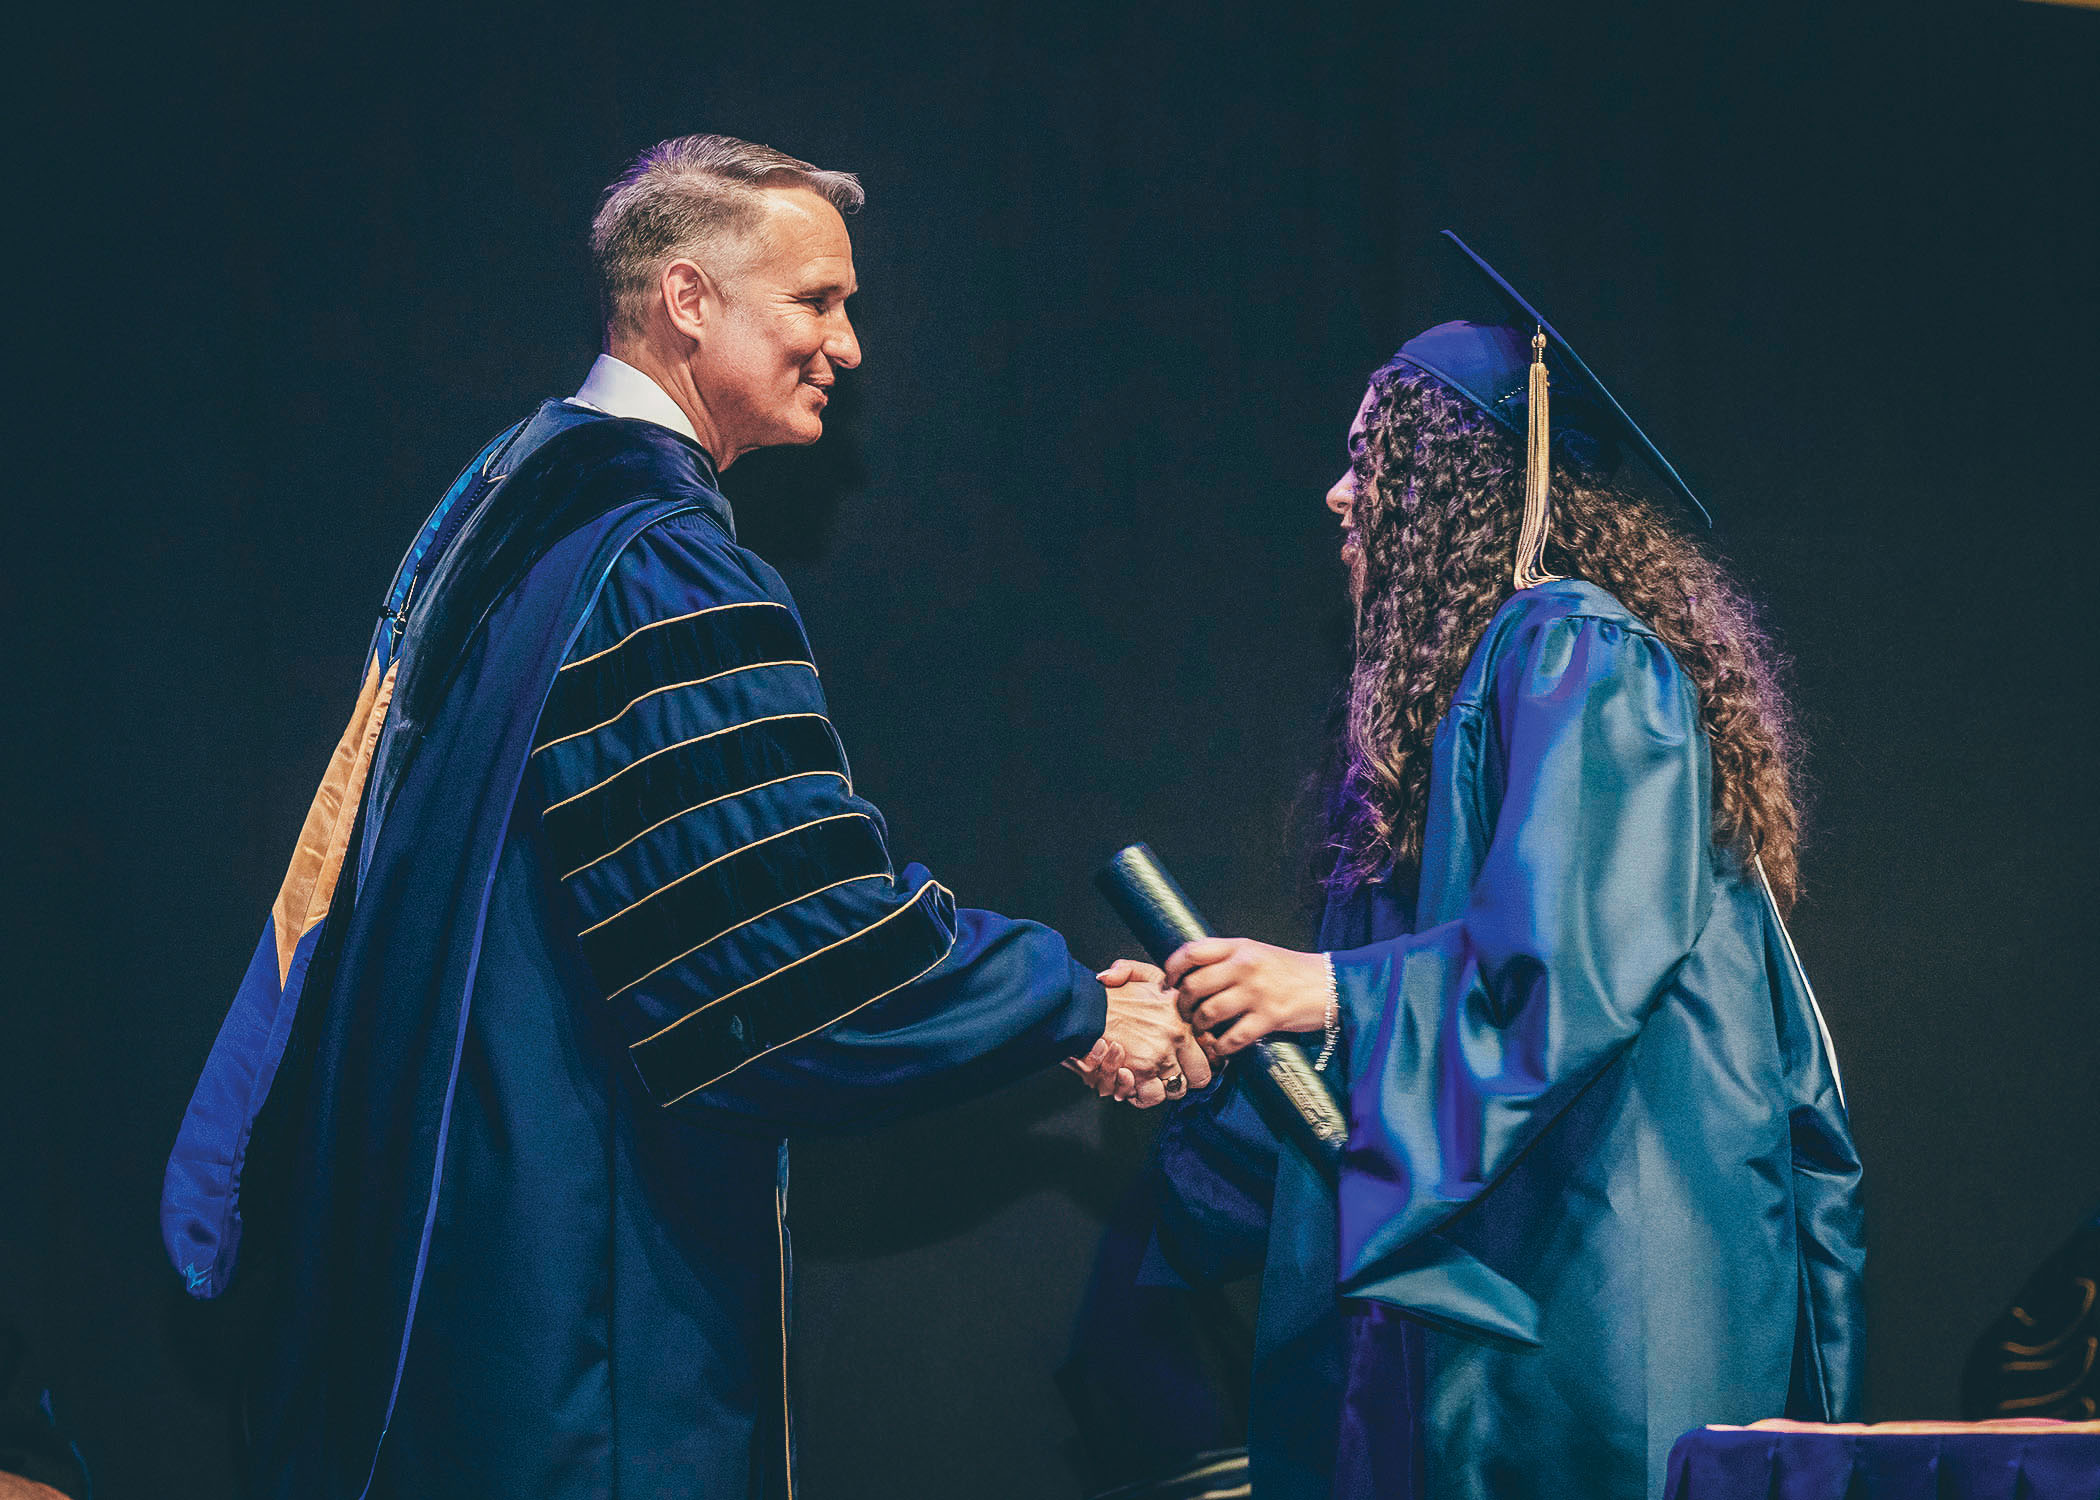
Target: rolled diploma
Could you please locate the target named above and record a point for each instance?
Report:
(1162, 918)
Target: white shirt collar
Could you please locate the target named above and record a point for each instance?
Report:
(620, 390)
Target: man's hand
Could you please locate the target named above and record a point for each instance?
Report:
(1234, 991)
(1147, 1054)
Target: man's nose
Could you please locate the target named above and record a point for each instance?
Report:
(841, 347)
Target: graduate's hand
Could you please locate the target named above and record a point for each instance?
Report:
(1147, 1055)
(1235, 991)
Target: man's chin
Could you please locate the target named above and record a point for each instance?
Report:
(796, 432)
(809, 418)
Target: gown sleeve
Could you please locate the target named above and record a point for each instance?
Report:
(1213, 1174)
(1829, 1352)
(1466, 1040)
(749, 937)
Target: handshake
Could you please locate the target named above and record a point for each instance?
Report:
(1167, 1029)
(1148, 1053)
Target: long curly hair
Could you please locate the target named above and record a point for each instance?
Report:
(1439, 499)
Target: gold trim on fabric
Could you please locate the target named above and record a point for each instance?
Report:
(834, 1019)
(2029, 1426)
(913, 904)
(2022, 1403)
(693, 614)
(1830, 1050)
(679, 745)
(672, 687)
(1210, 1473)
(710, 802)
(783, 906)
(324, 839)
(842, 1016)
(696, 869)
(2033, 1350)
(787, 1411)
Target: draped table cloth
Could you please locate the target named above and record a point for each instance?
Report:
(1779, 1460)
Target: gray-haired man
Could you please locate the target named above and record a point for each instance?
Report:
(615, 925)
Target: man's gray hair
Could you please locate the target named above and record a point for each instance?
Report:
(691, 197)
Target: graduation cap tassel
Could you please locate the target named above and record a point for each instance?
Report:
(1538, 475)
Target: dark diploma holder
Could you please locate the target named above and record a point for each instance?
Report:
(1292, 1095)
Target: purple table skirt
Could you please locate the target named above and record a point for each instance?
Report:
(1889, 1461)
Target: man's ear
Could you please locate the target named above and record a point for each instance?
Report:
(690, 298)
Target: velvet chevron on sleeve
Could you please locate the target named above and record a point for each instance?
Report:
(733, 895)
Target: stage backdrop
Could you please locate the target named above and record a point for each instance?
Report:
(1063, 554)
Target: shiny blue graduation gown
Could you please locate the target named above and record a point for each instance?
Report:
(1599, 1165)
(618, 924)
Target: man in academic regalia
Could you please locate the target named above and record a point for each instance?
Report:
(586, 920)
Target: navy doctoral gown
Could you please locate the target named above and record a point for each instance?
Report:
(1600, 1187)
(617, 924)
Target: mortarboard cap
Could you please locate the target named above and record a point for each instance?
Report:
(1503, 371)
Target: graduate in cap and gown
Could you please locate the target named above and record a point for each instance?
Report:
(1599, 1186)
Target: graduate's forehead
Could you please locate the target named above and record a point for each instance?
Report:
(1363, 415)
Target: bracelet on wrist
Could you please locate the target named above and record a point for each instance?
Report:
(1333, 1022)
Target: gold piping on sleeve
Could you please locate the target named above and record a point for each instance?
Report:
(2033, 1350)
(692, 614)
(1224, 1468)
(672, 687)
(2092, 1347)
(913, 904)
(760, 916)
(843, 1015)
(696, 869)
(712, 734)
(697, 806)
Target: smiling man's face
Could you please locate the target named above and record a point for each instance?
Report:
(766, 367)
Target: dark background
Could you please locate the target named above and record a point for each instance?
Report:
(1125, 274)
